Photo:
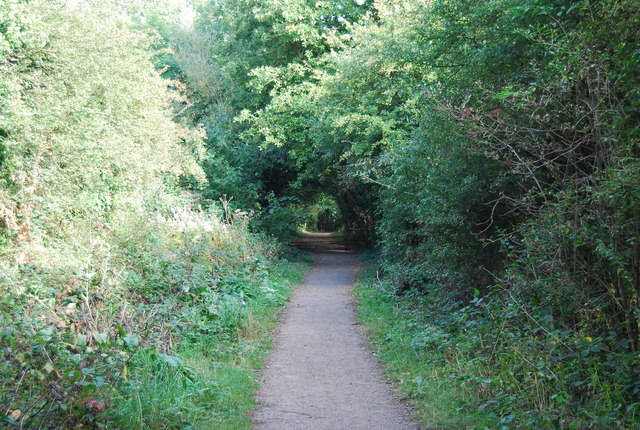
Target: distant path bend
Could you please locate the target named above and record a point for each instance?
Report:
(321, 373)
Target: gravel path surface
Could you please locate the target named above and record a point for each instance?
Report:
(321, 373)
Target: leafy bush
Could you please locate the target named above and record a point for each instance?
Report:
(279, 217)
(107, 263)
(78, 337)
(499, 362)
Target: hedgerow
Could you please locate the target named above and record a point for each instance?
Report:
(108, 262)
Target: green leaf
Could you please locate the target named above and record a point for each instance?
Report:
(132, 340)
(81, 340)
(121, 331)
(101, 337)
(171, 360)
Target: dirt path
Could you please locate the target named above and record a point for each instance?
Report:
(321, 373)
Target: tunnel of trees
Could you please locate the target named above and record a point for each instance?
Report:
(469, 140)
(488, 150)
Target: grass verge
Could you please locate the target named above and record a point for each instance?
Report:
(492, 365)
(421, 375)
(208, 382)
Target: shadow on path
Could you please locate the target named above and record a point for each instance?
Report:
(326, 242)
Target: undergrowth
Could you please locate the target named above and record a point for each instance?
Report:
(210, 381)
(161, 328)
(123, 302)
(494, 364)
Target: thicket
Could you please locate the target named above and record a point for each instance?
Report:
(109, 267)
(490, 149)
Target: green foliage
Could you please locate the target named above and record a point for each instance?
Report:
(493, 146)
(490, 148)
(240, 55)
(89, 132)
(323, 214)
(211, 380)
(79, 348)
(498, 362)
(433, 225)
(108, 266)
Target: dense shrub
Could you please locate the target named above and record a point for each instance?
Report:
(105, 257)
(70, 338)
(499, 362)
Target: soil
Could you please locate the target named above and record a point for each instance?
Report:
(322, 373)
